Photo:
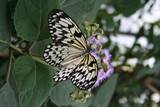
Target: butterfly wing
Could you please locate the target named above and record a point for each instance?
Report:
(85, 74)
(58, 54)
(68, 40)
(64, 30)
(64, 72)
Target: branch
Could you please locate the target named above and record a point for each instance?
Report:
(148, 83)
(35, 57)
(16, 48)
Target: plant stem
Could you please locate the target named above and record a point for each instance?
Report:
(9, 65)
(12, 46)
(149, 84)
(16, 48)
(39, 59)
(35, 57)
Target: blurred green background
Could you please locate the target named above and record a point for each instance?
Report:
(131, 34)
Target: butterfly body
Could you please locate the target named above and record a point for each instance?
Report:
(70, 52)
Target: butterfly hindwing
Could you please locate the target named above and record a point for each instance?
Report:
(64, 30)
(64, 72)
(85, 74)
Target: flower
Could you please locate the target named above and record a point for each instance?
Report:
(94, 43)
(105, 68)
(104, 74)
(107, 55)
(102, 56)
(95, 56)
(94, 40)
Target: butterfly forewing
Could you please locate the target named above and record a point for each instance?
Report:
(64, 30)
(56, 54)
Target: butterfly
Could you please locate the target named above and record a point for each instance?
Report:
(70, 52)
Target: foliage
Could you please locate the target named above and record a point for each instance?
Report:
(26, 81)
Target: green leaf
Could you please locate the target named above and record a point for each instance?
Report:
(3, 67)
(105, 92)
(126, 7)
(81, 10)
(110, 23)
(156, 49)
(7, 96)
(61, 94)
(30, 18)
(40, 46)
(5, 29)
(33, 82)
(12, 6)
(43, 86)
(24, 73)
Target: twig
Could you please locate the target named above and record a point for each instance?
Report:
(16, 48)
(35, 57)
(12, 46)
(39, 60)
(148, 83)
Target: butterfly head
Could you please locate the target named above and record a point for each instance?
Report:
(93, 45)
(89, 49)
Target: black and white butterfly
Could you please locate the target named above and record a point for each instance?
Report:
(70, 52)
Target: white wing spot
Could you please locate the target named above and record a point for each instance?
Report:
(51, 31)
(87, 78)
(45, 54)
(46, 50)
(63, 23)
(66, 21)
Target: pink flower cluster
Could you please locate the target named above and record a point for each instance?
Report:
(103, 56)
